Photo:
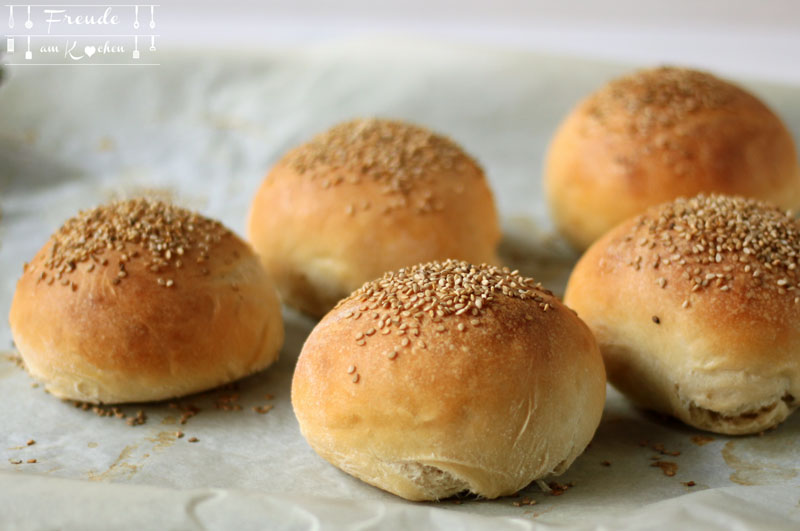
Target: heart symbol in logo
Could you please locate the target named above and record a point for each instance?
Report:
(90, 50)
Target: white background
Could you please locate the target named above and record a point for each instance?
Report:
(758, 39)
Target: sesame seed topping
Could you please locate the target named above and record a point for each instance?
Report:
(356, 378)
(394, 154)
(659, 98)
(650, 105)
(139, 229)
(656, 320)
(402, 301)
(351, 369)
(729, 243)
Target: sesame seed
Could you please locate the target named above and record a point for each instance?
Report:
(720, 238)
(653, 100)
(356, 378)
(139, 229)
(193, 439)
(402, 301)
(396, 155)
(656, 320)
(392, 354)
(351, 369)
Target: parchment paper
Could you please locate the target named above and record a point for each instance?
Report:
(202, 130)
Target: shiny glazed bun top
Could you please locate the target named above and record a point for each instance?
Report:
(658, 134)
(141, 300)
(696, 307)
(449, 376)
(366, 197)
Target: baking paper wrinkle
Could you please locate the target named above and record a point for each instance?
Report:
(256, 470)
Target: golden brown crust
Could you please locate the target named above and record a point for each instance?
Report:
(487, 400)
(659, 134)
(93, 334)
(695, 307)
(324, 225)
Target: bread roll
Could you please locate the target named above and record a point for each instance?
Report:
(449, 377)
(659, 134)
(363, 198)
(696, 306)
(140, 300)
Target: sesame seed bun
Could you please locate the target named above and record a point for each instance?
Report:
(139, 300)
(366, 197)
(658, 134)
(449, 377)
(696, 306)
